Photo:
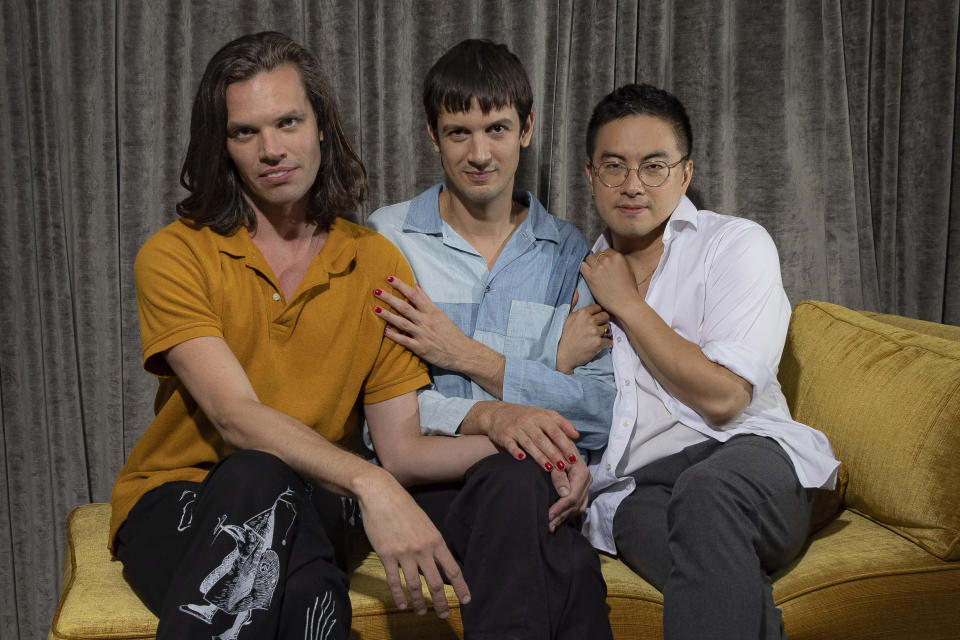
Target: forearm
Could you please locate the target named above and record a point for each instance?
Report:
(249, 424)
(483, 365)
(680, 366)
(430, 459)
(414, 458)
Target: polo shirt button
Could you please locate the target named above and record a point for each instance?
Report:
(276, 296)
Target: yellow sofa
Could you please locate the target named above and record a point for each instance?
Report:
(886, 391)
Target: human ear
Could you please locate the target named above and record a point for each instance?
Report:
(433, 138)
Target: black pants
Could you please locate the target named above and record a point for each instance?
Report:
(705, 526)
(253, 552)
(525, 582)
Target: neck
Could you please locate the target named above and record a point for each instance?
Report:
(287, 223)
(490, 219)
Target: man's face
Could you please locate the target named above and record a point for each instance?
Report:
(634, 211)
(272, 138)
(480, 153)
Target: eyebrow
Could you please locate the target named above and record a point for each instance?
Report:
(233, 125)
(454, 126)
(660, 153)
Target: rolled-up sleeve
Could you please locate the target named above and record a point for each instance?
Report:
(746, 312)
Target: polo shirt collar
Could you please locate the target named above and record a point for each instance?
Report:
(338, 253)
(424, 215)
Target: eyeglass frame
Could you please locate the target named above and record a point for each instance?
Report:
(596, 173)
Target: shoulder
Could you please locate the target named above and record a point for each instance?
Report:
(176, 242)
(739, 243)
(375, 253)
(730, 232)
(390, 217)
(567, 235)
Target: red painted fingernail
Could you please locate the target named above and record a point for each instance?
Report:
(548, 466)
(377, 292)
(520, 456)
(560, 465)
(389, 278)
(572, 459)
(377, 309)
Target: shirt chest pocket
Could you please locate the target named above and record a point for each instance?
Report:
(533, 331)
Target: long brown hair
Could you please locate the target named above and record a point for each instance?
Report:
(216, 197)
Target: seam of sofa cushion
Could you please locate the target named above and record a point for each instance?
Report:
(54, 627)
(894, 528)
(819, 305)
(867, 576)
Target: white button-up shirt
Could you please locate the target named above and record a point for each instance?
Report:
(717, 285)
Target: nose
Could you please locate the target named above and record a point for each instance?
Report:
(633, 185)
(479, 154)
(271, 149)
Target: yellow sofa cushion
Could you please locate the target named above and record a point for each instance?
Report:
(888, 398)
(95, 601)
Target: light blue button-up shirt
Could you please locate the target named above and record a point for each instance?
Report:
(517, 308)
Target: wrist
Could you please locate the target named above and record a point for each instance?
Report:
(477, 421)
(371, 481)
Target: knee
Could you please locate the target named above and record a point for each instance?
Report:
(501, 484)
(251, 470)
(703, 495)
(502, 474)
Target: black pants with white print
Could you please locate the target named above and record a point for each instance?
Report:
(253, 552)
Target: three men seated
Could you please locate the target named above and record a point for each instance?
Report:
(279, 328)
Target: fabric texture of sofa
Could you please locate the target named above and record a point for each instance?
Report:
(885, 390)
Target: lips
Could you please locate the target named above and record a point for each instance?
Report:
(277, 175)
(479, 176)
(632, 207)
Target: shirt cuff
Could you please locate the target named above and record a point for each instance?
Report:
(743, 362)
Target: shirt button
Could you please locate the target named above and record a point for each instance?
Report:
(608, 467)
(626, 423)
(619, 338)
(626, 383)
(276, 296)
(488, 289)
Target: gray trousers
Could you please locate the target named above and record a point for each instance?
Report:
(705, 526)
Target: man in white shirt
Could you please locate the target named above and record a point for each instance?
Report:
(706, 484)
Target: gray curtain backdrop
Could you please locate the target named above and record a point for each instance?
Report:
(833, 124)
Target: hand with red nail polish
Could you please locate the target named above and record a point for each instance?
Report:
(573, 497)
(541, 434)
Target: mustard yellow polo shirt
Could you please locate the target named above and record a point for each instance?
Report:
(315, 357)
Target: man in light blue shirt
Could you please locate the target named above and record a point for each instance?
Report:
(496, 274)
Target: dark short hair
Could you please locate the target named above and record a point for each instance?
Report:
(216, 197)
(641, 99)
(478, 69)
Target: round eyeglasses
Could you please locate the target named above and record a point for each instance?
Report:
(613, 173)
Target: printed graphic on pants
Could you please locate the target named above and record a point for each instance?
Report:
(320, 620)
(246, 578)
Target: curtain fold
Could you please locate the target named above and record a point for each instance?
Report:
(833, 123)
